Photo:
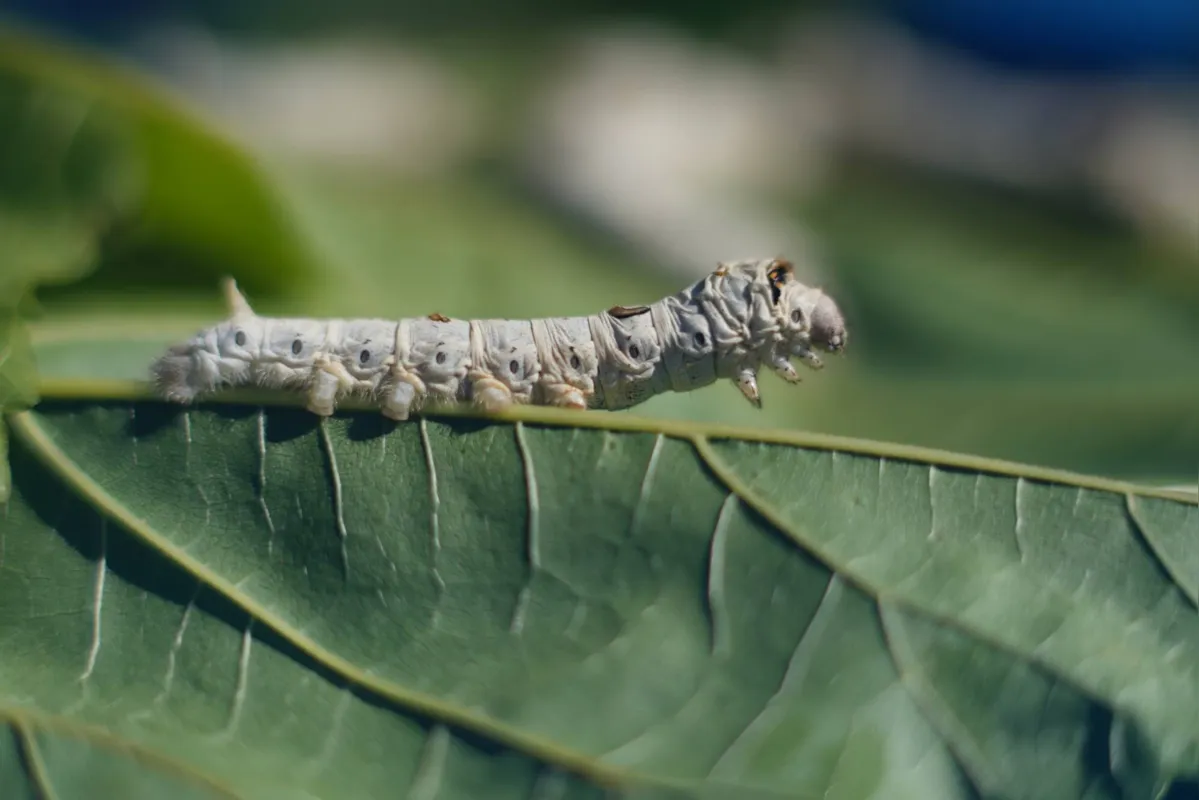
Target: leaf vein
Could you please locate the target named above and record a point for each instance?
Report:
(93, 652)
(266, 512)
(338, 505)
(532, 531)
(243, 681)
(718, 615)
(426, 784)
(797, 670)
(434, 518)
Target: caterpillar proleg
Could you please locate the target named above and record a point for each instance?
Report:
(742, 316)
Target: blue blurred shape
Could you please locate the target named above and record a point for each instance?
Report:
(96, 20)
(1119, 36)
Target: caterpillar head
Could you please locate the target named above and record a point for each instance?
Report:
(828, 330)
(808, 317)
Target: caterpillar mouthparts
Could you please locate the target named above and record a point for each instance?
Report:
(743, 315)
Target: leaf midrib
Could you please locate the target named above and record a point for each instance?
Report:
(109, 390)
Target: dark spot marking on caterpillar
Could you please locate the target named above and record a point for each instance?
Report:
(634, 351)
(364, 356)
(575, 363)
(440, 358)
(436, 317)
(700, 339)
(239, 338)
(779, 272)
(622, 312)
(514, 366)
(797, 316)
(297, 347)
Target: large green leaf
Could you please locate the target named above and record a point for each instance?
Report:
(240, 601)
(547, 604)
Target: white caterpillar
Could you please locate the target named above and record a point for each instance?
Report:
(743, 315)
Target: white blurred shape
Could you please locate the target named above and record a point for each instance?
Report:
(898, 96)
(1149, 167)
(345, 102)
(672, 145)
(1126, 140)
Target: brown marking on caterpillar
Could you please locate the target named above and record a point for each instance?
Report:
(622, 312)
(439, 317)
(780, 271)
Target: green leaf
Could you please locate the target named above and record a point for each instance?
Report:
(65, 180)
(67, 177)
(952, 278)
(103, 166)
(980, 319)
(17, 380)
(549, 602)
(95, 168)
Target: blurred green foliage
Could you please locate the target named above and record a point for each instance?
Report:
(101, 170)
(998, 324)
(514, 17)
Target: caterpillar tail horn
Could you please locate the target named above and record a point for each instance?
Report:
(235, 301)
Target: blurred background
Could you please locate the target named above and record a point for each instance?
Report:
(1003, 195)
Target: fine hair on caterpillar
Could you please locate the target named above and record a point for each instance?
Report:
(740, 317)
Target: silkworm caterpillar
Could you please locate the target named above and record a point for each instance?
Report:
(742, 316)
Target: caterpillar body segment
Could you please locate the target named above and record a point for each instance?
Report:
(569, 363)
(432, 357)
(742, 316)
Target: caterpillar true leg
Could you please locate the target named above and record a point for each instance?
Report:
(810, 358)
(784, 368)
(747, 382)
